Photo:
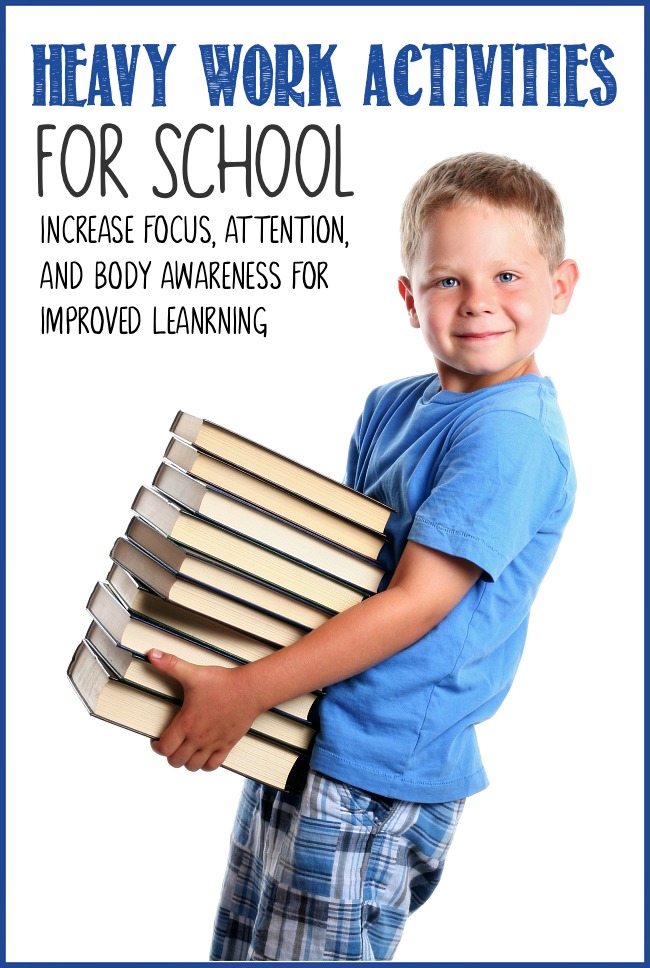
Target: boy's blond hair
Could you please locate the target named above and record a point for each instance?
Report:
(482, 177)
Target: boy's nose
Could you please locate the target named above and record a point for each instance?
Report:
(477, 299)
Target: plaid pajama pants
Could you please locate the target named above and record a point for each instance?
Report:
(329, 874)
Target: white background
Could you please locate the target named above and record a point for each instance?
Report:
(113, 856)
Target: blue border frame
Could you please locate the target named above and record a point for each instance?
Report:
(171, 3)
(3, 316)
(316, 3)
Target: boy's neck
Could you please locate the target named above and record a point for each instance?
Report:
(459, 382)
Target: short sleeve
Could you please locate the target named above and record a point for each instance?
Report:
(499, 482)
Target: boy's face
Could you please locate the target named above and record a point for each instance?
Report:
(482, 294)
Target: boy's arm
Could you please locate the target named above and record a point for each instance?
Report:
(220, 704)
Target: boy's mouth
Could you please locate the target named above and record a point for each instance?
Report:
(478, 337)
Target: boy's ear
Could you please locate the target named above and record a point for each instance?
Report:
(404, 287)
(564, 280)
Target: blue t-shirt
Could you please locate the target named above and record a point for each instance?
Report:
(485, 476)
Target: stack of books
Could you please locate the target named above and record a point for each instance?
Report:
(234, 551)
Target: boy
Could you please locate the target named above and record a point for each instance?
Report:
(476, 462)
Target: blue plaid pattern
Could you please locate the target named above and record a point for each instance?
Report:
(329, 874)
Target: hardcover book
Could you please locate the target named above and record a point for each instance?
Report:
(270, 497)
(138, 672)
(185, 529)
(110, 698)
(266, 529)
(280, 470)
(198, 598)
(240, 554)
(136, 634)
(247, 588)
(143, 603)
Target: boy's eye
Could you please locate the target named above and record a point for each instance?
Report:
(506, 277)
(447, 283)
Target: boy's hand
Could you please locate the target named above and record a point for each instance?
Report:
(215, 714)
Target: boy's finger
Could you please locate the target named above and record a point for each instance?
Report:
(172, 738)
(183, 671)
(182, 755)
(213, 762)
(197, 761)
